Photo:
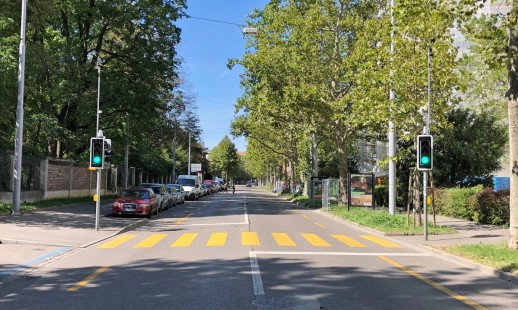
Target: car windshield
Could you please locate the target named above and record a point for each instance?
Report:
(187, 182)
(136, 194)
(156, 189)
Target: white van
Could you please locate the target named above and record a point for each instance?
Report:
(191, 184)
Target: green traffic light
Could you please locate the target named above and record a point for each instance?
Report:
(425, 160)
(97, 159)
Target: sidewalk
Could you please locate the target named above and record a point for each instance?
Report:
(31, 238)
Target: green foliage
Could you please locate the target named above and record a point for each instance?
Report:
(498, 256)
(383, 221)
(224, 159)
(457, 202)
(471, 147)
(492, 207)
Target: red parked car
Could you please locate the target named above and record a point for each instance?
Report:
(136, 201)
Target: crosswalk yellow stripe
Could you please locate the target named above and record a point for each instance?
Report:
(315, 240)
(382, 242)
(217, 239)
(249, 238)
(184, 240)
(283, 239)
(349, 241)
(150, 241)
(116, 242)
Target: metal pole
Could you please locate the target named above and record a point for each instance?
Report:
(189, 160)
(98, 201)
(426, 131)
(126, 154)
(174, 153)
(98, 92)
(392, 133)
(17, 171)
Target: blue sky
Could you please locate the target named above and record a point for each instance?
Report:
(206, 48)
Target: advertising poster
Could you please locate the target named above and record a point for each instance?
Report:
(361, 190)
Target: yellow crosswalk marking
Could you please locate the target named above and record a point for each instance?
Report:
(150, 241)
(382, 242)
(116, 242)
(349, 241)
(283, 239)
(184, 240)
(315, 240)
(249, 238)
(217, 239)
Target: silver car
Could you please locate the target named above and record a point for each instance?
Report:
(163, 197)
(180, 192)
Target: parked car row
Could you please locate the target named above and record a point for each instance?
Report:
(152, 198)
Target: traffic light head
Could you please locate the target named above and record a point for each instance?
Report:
(96, 153)
(424, 152)
(108, 150)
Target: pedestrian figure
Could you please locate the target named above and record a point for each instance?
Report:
(233, 188)
(226, 187)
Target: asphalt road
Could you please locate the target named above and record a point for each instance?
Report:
(252, 250)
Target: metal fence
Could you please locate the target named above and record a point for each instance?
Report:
(330, 193)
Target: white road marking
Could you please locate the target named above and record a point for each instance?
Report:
(337, 253)
(256, 274)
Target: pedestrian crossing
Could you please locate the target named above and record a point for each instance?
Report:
(248, 238)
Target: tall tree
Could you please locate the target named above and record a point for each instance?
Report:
(224, 158)
(503, 53)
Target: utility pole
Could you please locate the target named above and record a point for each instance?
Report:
(392, 133)
(426, 131)
(174, 152)
(126, 154)
(189, 160)
(17, 171)
(98, 134)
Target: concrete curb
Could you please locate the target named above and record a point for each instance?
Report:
(127, 228)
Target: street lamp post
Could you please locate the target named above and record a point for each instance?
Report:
(17, 171)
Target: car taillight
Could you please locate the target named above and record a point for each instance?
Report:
(116, 204)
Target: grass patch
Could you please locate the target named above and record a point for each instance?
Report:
(497, 255)
(381, 220)
(33, 206)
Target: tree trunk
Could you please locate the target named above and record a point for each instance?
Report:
(343, 168)
(512, 95)
(513, 160)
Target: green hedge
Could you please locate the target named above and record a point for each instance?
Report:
(482, 205)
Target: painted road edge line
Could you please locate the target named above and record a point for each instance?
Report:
(34, 261)
(256, 274)
(436, 285)
(338, 253)
(88, 279)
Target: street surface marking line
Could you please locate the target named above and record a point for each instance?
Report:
(88, 279)
(116, 242)
(217, 239)
(184, 240)
(341, 253)
(305, 216)
(320, 225)
(256, 274)
(349, 241)
(183, 219)
(382, 242)
(443, 289)
(249, 238)
(150, 241)
(315, 240)
(283, 239)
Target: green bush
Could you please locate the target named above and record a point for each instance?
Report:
(492, 207)
(482, 205)
(457, 202)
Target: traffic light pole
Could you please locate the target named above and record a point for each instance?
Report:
(426, 131)
(98, 200)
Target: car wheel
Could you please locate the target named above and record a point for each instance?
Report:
(148, 216)
(167, 206)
